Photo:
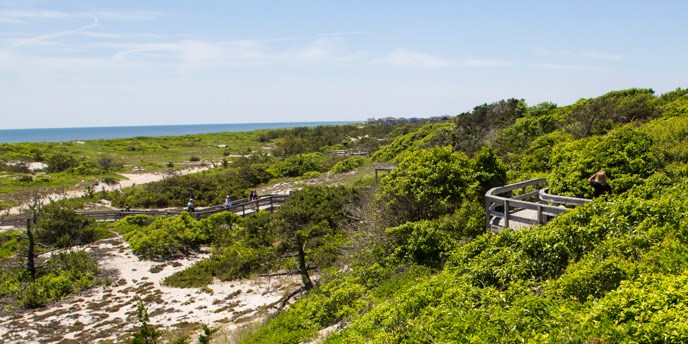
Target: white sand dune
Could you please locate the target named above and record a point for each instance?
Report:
(109, 312)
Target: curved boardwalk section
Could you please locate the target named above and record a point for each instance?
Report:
(524, 204)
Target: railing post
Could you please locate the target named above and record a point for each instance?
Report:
(487, 212)
(506, 213)
(539, 214)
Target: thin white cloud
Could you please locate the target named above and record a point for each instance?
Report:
(599, 55)
(485, 63)
(148, 51)
(15, 16)
(21, 16)
(352, 33)
(590, 54)
(323, 49)
(95, 34)
(561, 66)
(402, 58)
(125, 16)
(46, 39)
(198, 54)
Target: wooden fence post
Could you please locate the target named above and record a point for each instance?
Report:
(506, 213)
(487, 212)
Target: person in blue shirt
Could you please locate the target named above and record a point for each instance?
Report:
(228, 202)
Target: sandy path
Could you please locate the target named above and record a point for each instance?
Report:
(109, 312)
(131, 179)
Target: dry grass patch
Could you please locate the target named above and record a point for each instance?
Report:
(55, 313)
(157, 268)
(229, 307)
(98, 305)
(207, 290)
(115, 308)
(233, 294)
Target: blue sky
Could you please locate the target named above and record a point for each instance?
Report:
(102, 63)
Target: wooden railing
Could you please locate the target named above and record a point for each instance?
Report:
(500, 204)
(242, 207)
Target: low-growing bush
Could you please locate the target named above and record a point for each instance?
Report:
(63, 227)
(63, 275)
(168, 236)
(311, 175)
(296, 166)
(349, 164)
(9, 243)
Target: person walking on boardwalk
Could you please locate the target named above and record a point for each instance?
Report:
(228, 202)
(598, 181)
(190, 207)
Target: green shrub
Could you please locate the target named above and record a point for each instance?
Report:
(164, 237)
(651, 309)
(427, 184)
(9, 243)
(60, 162)
(65, 274)
(197, 275)
(62, 227)
(311, 175)
(349, 164)
(625, 155)
(296, 166)
(424, 138)
(429, 242)
(205, 188)
(168, 236)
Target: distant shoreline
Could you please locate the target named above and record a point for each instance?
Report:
(120, 132)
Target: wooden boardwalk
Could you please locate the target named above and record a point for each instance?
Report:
(242, 207)
(531, 206)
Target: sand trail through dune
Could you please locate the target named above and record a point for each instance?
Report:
(109, 312)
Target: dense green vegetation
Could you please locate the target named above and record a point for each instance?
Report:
(603, 272)
(164, 237)
(407, 258)
(305, 228)
(57, 276)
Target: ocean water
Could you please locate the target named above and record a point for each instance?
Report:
(94, 133)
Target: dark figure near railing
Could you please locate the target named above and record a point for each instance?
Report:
(598, 181)
(190, 207)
